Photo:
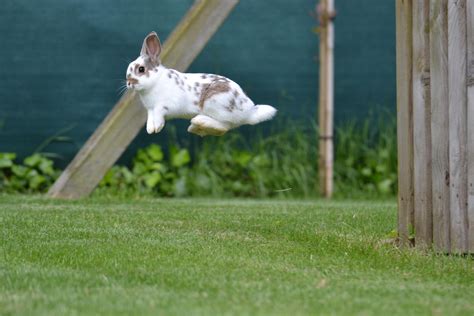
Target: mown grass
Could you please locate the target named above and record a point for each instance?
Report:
(216, 257)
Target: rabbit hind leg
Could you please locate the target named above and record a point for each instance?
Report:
(204, 125)
(196, 129)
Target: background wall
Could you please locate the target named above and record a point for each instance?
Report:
(62, 62)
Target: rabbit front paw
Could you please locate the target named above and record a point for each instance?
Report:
(150, 127)
(154, 124)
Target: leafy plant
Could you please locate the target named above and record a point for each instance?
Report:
(366, 157)
(284, 163)
(281, 164)
(36, 173)
(151, 173)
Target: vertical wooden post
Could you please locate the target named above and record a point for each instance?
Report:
(405, 118)
(442, 126)
(470, 119)
(440, 123)
(457, 124)
(326, 96)
(422, 124)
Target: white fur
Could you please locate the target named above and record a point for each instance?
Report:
(168, 94)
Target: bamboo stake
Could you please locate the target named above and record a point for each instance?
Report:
(326, 15)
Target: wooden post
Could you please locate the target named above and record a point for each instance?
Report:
(457, 124)
(440, 57)
(128, 116)
(440, 123)
(326, 15)
(422, 124)
(470, 119)
(405, 119)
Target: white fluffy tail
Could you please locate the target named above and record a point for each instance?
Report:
(260, 113)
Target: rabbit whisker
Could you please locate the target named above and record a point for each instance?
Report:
(121, 90)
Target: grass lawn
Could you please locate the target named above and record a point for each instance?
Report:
(214, 257)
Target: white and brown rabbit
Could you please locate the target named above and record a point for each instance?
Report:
(214, 103)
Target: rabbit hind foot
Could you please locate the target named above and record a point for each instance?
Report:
(204, 125)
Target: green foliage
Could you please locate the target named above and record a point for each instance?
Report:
(151, 173)
(281, 164)
(366, 157)
(285, 162)
(36, 173)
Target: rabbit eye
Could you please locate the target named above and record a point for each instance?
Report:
(141, 69)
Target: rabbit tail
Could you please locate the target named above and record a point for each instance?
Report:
(260, 113)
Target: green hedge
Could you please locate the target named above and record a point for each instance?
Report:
(283, 163)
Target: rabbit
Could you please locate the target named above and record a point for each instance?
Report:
(213, 103)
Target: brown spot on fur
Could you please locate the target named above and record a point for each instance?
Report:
(236, 93)
(203, 76)
(231, 106)
(147, 70)
(212, 89)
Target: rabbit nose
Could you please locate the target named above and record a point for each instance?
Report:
(131, 80)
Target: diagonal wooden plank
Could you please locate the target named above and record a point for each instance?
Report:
(405, 119)
(128, 116)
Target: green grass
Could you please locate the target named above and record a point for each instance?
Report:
(214, 257)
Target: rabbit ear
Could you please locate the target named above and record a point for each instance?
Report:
(151, 46)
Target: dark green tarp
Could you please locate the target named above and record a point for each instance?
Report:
(62, 61)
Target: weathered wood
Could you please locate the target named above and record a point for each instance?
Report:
(439, 123)
(404, 118)
(126, 119)
(422, 124)
(470, 119)
(326, 97)
(457, 124)
(194, 31)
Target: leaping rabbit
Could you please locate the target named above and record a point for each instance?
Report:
(214, 104)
